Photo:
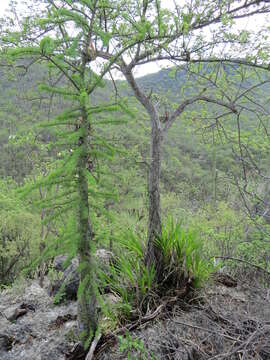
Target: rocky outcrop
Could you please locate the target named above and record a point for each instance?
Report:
(43, 331)
(67, 284)
(222, 320)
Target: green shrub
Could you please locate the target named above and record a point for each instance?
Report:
(256, 247)
(230, 233)
(19, 236)
(222, 229)
(134, 349)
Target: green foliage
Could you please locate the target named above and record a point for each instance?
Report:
(19, 235)
(128, 276)
(229, 233)
(134, 348)
(59, 295)
(255, 252)
(47, 45)
(222, 228)
(183, 255)
(135, 283)
(54, 275)
(255, 247)
(83, 150)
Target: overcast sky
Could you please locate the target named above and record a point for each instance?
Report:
(249, 22)
(3, 6)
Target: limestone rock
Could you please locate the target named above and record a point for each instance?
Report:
(68, 283)
(44, 332)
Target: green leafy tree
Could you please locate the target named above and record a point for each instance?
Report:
(66, 37)
(69, 37)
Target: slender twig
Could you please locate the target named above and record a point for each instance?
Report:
(207, 330)
(90, 354)
(243, 261)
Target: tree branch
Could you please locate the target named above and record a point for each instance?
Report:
(187, 102)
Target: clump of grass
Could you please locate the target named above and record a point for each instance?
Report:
(182, 250)
(137, 285)
(128, 276)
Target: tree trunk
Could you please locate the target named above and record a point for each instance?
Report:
(87, 316)
(154, 255)
(42, 266)
(214, 176)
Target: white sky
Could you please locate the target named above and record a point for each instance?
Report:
(3, 6)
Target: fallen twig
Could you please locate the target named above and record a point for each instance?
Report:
(90, 354)
(243, 261)
(243, 345)
(207, 330)
(139, 322)
(111, 338)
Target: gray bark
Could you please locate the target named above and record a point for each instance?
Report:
(154, 255)
(158, 132)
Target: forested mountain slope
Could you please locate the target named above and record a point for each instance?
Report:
(192, 148)
(200, 161)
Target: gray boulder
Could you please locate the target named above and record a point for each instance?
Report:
(68, 283)
(59, 261)
(66, 286)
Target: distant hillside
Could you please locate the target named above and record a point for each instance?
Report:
(164, 80)
(189, 156)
